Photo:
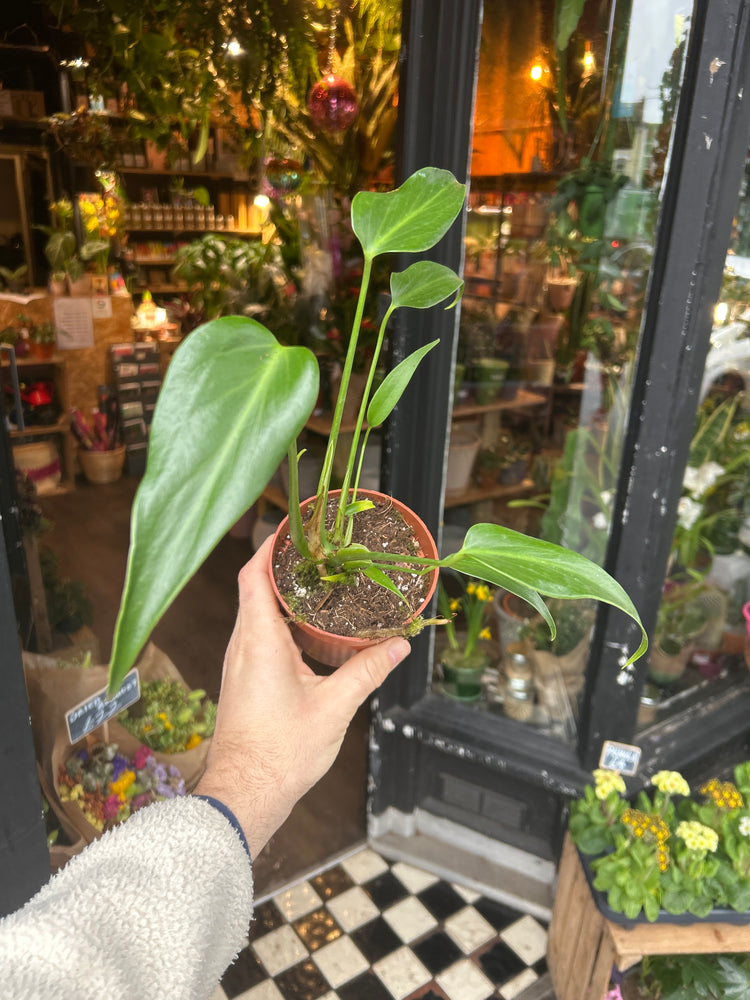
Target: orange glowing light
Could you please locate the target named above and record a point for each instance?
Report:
(536, 72)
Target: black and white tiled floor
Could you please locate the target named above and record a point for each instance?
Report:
(370, 929)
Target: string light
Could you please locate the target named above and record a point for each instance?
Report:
(589, 62)
(536, 72)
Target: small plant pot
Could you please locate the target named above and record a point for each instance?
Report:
(464, 683)
(539, 372)
(81, 286)
(560, 292)
(42, 351)
(102, 466)
(326, 647)
(58, 288)
(666, 666)
(462, 452)
(514, 473)
(490, 374)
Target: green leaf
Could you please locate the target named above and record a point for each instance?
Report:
(393, 385)
(424, 284)
(232, 401)
(411, 218)
(379, 577)
(529, 567)
(567, 21)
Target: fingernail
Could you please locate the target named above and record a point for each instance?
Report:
(398, 650)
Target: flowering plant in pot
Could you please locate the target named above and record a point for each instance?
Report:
(671, 852)
(231, 406)
(465, 658)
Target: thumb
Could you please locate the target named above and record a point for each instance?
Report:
(356, 680)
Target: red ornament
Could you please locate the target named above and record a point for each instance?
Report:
(332, 104)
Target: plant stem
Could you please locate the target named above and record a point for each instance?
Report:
(317, 525)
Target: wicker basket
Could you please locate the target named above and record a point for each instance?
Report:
(102, 466)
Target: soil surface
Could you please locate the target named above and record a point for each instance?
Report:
(360, 608)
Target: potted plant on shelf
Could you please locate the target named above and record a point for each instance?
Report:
(238, 399)
(682, 616)
(60, 247)
(43, 340)
(674, 855)
(466, 656)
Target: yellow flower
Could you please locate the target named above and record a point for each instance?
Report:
(194, 740)
(606, 782)
(471, 588)
(122, 784)
(697, 836)
(455, 604)
(483, 592)
(485, 634)
(724, 793)
(670, 783)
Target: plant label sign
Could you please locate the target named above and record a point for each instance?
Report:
(621, 757)
(97, 708)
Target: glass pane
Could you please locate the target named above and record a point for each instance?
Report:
(572, 130)
(701, 645)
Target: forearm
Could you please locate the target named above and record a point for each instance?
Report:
(158, 907)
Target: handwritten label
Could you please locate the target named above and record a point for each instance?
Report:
(97, 708)
(621, 757)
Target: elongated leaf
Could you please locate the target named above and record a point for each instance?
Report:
(569, 14)
(411, 218)
(424, 284)
(382, 580)
(232, 401)
(522, 564)
(393, 385)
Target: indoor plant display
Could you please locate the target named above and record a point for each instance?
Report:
(60, 247)
(168, 717)
(682, 616)
(465, 658)
(238, 400)
(669, 853)
(43, 339)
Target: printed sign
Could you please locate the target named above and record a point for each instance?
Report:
(621, 757)
(97, 708)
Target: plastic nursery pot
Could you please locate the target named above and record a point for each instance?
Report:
(325, 647)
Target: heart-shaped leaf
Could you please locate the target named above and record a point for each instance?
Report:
(424, 284)
(411, 218)
(215, 442)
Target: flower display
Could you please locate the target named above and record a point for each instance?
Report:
(168, 717)
(108, 786)
(671, 850)
(472, 606)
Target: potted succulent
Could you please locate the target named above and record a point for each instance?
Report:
(465, 657)
(237, 399)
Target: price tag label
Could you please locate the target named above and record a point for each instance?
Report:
(97, 708)
(621, 757)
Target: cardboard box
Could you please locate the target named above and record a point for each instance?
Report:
(21, 104)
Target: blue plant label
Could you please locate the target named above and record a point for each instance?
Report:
(620, 757)
(97, 708)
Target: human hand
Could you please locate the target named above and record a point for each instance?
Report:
(279, 726)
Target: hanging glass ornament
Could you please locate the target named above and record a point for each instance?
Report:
(332, 104)
(283, 175)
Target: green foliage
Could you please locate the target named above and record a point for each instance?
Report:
(573, 620)
(232, 404)
(230, 276)
(68, 606)
(168, 717)
(696, 977)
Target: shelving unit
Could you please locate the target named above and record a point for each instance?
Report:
(54, 370)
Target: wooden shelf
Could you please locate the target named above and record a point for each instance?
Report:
(524, 399)
(164, 289)
(240, 177)
(60, 426)
(476, 494)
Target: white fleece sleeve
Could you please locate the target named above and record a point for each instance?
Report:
(156, 908)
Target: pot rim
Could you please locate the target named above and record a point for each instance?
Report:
(343, 646)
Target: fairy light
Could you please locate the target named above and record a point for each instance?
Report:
(589, 62)
(536, 72)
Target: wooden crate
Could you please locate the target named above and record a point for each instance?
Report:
(583, 945)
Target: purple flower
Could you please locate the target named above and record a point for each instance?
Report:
(119, 764)
(144, 799)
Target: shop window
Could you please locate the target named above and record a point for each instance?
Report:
(571, 143)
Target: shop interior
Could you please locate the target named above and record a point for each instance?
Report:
(137, 214)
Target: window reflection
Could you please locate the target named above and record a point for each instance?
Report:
(571, 143)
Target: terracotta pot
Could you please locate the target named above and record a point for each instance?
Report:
(42, 351)
(560, 292)
(325, 647)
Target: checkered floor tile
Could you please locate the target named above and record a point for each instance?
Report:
(368, 929)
